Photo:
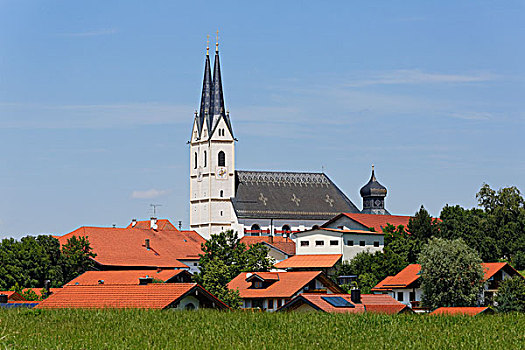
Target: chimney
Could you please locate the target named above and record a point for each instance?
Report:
(153, 223)
(133, 222)
(145, 280)
(355, 296)
(47, 287)
(146, 244)
(3, 298)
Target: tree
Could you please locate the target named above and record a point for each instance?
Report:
(451, 273)
(77, 257)
(422, 227)
(224, 258)
(511, 295)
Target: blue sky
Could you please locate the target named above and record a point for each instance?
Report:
(97, 101)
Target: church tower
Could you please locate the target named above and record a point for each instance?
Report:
(374, 194)
(212, 158)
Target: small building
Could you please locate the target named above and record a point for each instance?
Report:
(179, 296)
(346, 303)
(270, 290)
(469, 311)
(311, 262)
(142, 245)
(11, 299)
(91, 278)
(279, 248)
(9, 295)
(346, 242)
(405, 286)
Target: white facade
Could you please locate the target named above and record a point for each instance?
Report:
(212, 179)
(346, 242)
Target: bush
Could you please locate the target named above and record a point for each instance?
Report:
(511, 295)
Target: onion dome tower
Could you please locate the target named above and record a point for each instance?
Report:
(374, 194)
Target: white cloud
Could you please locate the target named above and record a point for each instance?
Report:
(148, 194)
(99, 32)
(417, 76)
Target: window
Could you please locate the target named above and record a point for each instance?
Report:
(350, 243)
(205, 159)
(189, 306)
(286, 228)
(399, 296)
(221, 212)
(412, 296)
(221, 193)
(257, 303)
(376, 243)
(195, 164)
(319, 243)
(278, 303)
(305, 243)
(270, 303)
(334, 242)
(315, 227)
(362, 243)
(222, 159)
(257, 284)
(255, 230)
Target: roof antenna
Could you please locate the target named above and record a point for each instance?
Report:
(155, 206)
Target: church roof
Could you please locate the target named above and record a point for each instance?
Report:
(288, 195)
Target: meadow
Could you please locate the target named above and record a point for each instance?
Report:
(204, 329)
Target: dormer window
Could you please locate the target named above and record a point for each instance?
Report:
(257, 284)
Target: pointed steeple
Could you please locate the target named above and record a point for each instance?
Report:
(206, 97)
(218, 109)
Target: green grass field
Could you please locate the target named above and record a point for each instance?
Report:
(142, 329)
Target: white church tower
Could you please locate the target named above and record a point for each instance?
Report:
(212, 158)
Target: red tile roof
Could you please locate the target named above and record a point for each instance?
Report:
(380, 287)
(38, 291)
(123, 276)
(309, 261)
(151, 296)
(378, 222)
(372, 303)
(284, 244)
(12, 296)
(471, 311)
(126, 246)
(362, 232)
(404, 278)
(288, 284)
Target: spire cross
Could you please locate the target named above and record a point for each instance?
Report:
(217, 43)
(207, 44)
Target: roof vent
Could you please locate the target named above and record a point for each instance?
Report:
(146, 244)
(153, 223)
(100, 281)
(133, 222)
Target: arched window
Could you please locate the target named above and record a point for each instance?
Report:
(255, 230)
(205, 159)
(315, 227)
(221, 193)
(286, 228)
(195, 165)
(189, 306)
(222, 159)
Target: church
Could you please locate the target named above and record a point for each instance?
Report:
(255, 203)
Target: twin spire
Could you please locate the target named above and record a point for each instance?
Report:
(212, 98)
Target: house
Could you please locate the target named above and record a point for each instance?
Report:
(9, 295)
(130, 277)
(279, 248)
(345, 303)
(270, 290)
(346, 242)
(180, 296)
(142, 245)
(470, 311)
(11, 299)
(323, 262)
(366, 222)
(405, 286)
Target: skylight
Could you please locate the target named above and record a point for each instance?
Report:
(338, 302)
